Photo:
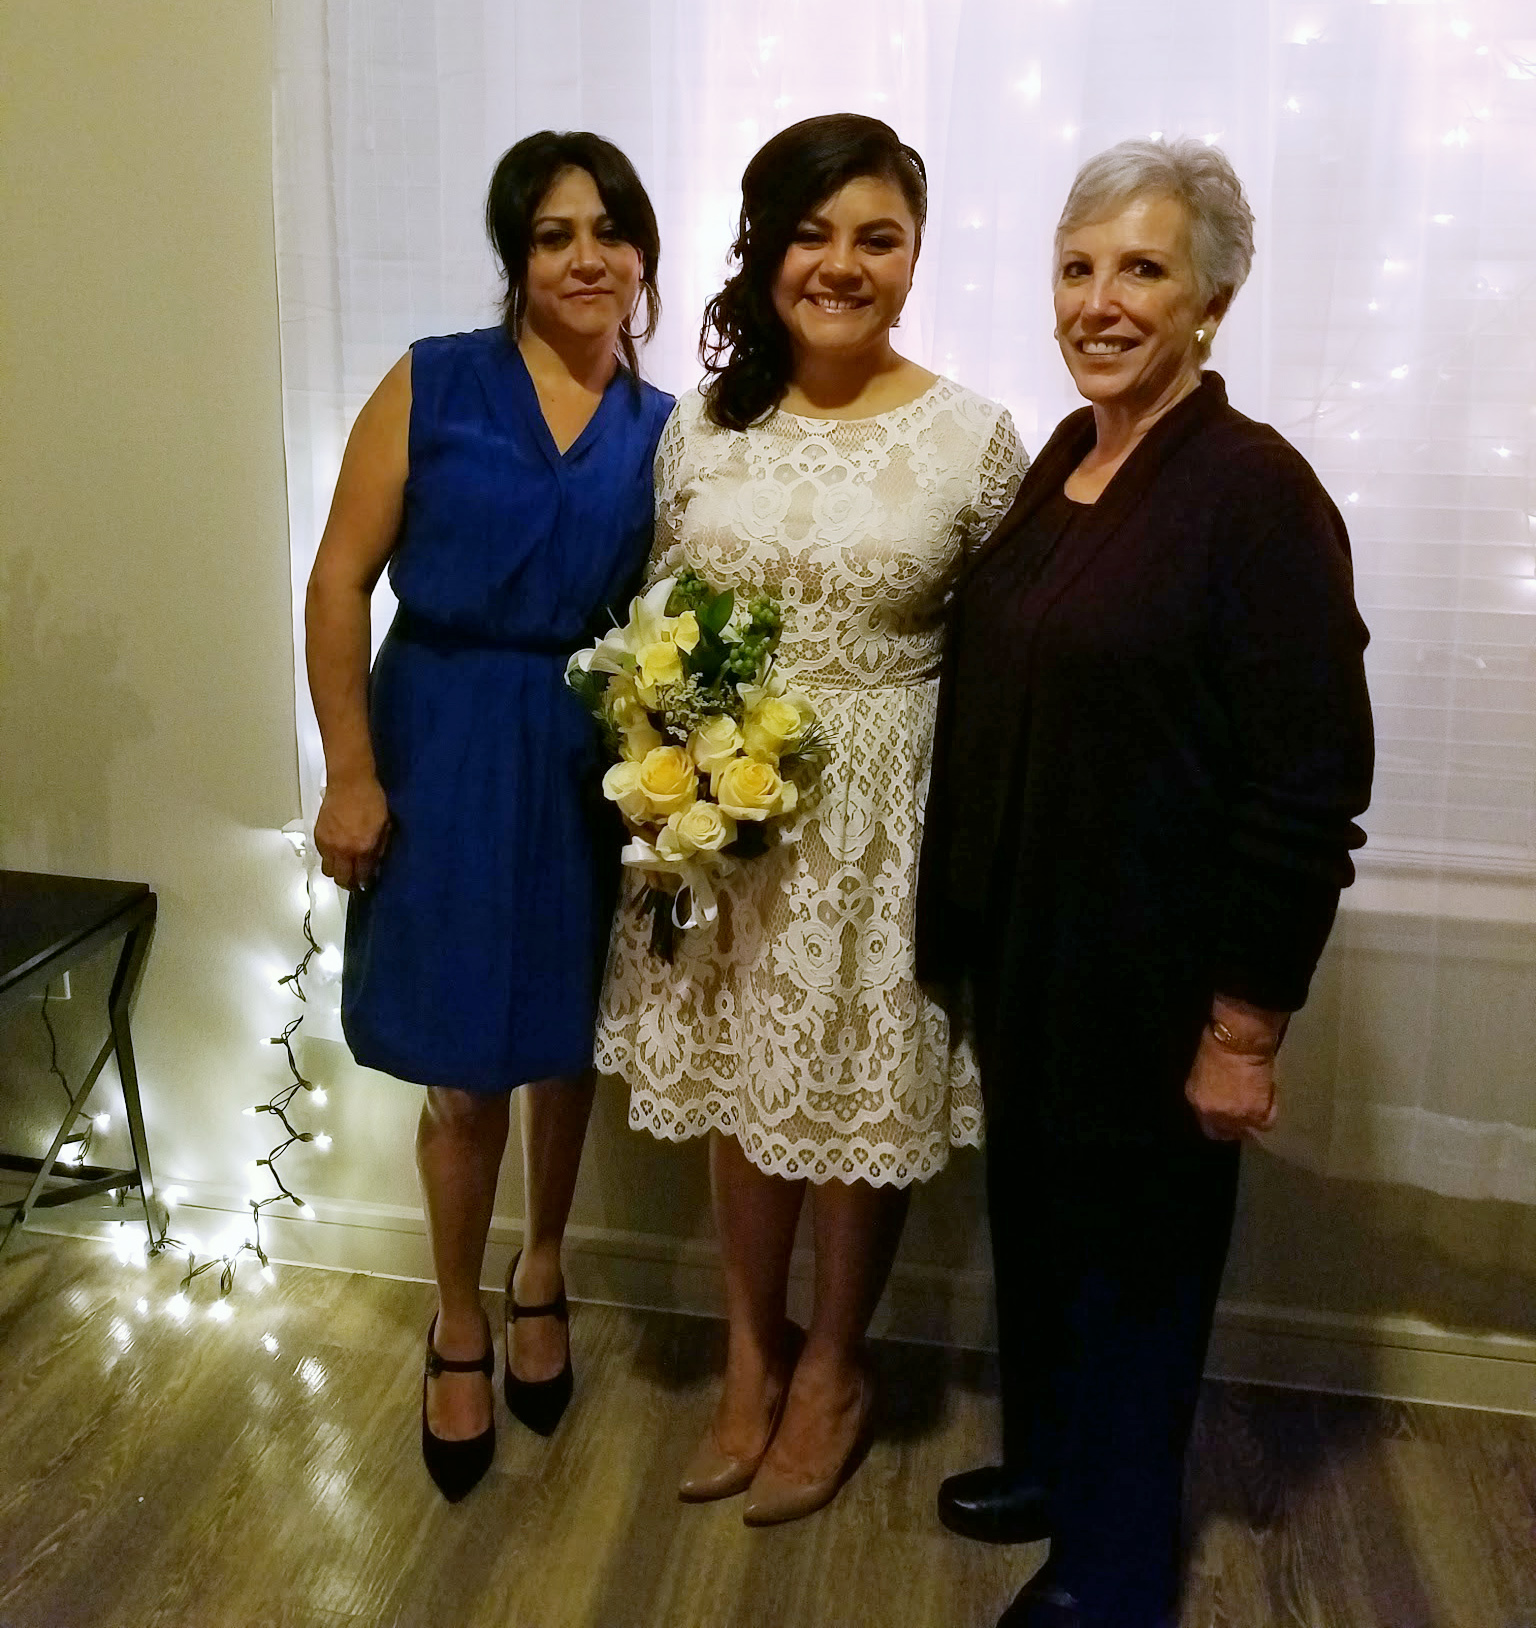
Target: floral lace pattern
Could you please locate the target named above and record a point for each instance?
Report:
(795, 1022)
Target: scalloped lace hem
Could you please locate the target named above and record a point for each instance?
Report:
(853, 1158)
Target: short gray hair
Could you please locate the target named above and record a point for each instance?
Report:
(1198, 176)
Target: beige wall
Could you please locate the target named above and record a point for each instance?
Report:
(147, 722)
(144, 636)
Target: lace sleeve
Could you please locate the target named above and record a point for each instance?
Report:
(998, 475)
(672, 470)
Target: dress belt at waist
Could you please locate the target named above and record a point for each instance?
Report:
(815, 681)
(440, 636)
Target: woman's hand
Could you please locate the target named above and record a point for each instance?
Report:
(1231, 1086)
(352, 831)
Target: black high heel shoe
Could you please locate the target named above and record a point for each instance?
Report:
(455, 1466)
(538, 1403)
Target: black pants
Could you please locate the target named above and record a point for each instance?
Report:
(1107, 1261)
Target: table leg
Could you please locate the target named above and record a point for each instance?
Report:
(67, 1124)
(124, 984)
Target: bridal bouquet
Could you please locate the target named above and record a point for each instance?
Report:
(710, 750)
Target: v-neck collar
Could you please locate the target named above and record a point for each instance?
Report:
(558, 460)
(1126, 489)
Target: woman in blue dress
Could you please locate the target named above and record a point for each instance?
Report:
(504, 478)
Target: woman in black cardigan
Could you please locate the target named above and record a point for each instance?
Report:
(1154, 740)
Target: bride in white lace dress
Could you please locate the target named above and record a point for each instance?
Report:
(850, 485)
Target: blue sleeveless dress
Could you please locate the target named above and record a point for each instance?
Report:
(475, 958)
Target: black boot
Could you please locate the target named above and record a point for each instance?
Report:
(995, 1505)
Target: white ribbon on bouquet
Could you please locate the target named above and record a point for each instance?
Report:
(691, 873)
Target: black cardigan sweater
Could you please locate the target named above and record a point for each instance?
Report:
(1188, 741)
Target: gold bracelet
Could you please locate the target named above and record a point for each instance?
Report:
(1228, 1041)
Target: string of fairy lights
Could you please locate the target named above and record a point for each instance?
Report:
(225, 1256)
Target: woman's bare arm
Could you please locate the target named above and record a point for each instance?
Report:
(352, 826)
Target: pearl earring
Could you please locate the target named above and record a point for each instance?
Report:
(1200, 335)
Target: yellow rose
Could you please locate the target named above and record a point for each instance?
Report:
(668, 780)
(623, 704)
(660, 663)
(685, 631)
(772, 725)
(749, 789)
(640, 739)
(621, 785)
(714, 744)
(701, 829)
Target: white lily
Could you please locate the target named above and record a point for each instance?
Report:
(619, 648)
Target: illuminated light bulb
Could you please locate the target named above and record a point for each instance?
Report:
(323, 1141)
(1354, 497)
(1461, 28)
(1503, 452)
(1354, 435)
(220, 1311)
(267, 1275)
(320, 1097)
(330, 960)
(1458, 137)
(307, 1211)
(1400, 372)
(269, 1343)
(1068, 131)
(1155, 135)
(1354, 384)
(1394, 265)
(1029, 86)
(251, 1113)
(1373, 306)
(1306, 34)
(1211, 137)
(102, 1121)
(1442, 220)
(896, 39)
(1482, 50)
(1482, 113)
(75, 1154)
(1292, 105)
(782, 101)
(297, 841)
(177, 1305)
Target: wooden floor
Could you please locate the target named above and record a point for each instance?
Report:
(165, 1474)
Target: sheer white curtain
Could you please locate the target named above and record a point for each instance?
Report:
(1389, 330)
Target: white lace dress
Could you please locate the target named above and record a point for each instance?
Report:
(795, 1022)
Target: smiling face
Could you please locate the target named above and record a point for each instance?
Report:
(848, 270)
(1128, 305)
(582, 276)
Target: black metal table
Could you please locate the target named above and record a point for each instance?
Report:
(49, 925)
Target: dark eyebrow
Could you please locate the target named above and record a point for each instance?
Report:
(569, 220)
(886, 223)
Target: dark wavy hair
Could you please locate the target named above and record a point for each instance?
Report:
(743, 344)
(522, 179)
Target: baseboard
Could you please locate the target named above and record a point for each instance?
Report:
(1392, 1357)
